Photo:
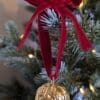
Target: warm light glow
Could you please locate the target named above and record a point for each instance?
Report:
(30, 55)
(82, 90)
(93, 51)
(21, 36)
(92, 88)
(49, 96)
(83, 3)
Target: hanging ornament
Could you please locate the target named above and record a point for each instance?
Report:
(52, 91)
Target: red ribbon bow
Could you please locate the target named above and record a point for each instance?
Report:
(60, 6)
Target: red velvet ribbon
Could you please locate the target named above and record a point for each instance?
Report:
(60, 6)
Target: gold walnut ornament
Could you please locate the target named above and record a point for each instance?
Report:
(52, 91)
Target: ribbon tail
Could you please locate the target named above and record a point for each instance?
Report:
(29, 25)
(45, 45)
(84, 42)
(62, 41)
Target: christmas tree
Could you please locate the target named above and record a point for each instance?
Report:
(79, 72)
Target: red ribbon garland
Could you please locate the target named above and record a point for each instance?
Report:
(60, 7)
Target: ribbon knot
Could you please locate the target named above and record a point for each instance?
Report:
(58, 3)
(59, 7)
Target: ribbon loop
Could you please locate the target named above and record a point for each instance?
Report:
(82, 38)
(60, 6)
(29, 24)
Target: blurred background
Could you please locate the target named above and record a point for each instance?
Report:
(13, 10)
